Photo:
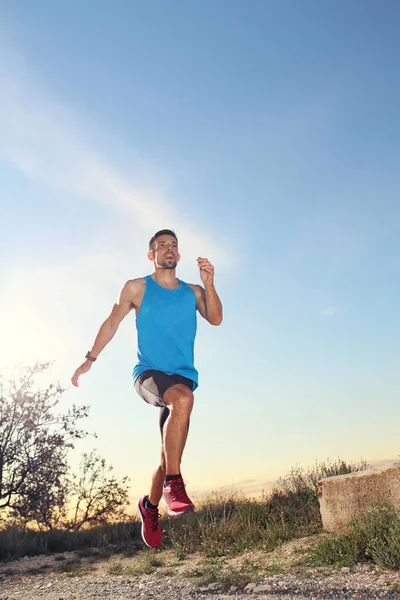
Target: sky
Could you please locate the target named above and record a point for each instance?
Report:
(266, 134)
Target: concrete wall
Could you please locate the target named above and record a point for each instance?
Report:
(342, 497)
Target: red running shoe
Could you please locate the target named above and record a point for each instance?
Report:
(151, 532)
(176, 498)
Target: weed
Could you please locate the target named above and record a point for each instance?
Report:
(116, 569)
(240, 577)
(210, 573)
(183, 535)
(148, 562)
(69, 566)
(340, 551)
(300, 478)
(85, 570)
(166, 573)
(273, 569)
(214, 570)
(377, 532)
(235, 577)
(373, 535)
(37, 570)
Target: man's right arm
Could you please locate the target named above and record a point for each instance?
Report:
(126, 302)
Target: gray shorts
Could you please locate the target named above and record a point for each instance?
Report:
(151, 386)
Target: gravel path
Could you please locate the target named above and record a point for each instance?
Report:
(90, 575)
(55, 586)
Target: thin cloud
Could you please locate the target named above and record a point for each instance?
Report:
(251, 488)
(42, 138)
(52, 310)
(328, 311)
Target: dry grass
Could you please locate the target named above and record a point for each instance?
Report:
(231, 539)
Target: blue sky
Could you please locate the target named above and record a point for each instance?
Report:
(266, 133)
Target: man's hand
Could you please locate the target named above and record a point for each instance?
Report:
(206, 271)
(84, 368)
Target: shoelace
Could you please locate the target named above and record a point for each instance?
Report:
(178, 490)
(153, 518)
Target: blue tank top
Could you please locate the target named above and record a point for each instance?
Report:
(166, 327)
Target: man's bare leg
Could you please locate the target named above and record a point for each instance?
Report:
(157, 480)
(179, 400)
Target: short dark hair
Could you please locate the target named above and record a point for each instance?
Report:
(161, 232)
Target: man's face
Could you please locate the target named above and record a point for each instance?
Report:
(165, 253)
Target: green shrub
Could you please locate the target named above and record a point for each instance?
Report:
(374, 536)
(116, 569)
(377, 532)
(338, 550)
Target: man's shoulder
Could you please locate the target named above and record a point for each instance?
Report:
(195, 287)
(138, 282)
(135, 286)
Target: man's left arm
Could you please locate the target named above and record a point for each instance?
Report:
(208, 302)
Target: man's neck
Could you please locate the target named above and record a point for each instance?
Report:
(166, 277)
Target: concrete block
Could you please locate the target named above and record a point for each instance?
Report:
(342, 497)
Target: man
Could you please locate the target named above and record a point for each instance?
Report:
(164, 375)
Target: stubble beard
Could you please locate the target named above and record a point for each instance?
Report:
(168, 265)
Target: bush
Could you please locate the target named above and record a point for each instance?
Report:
(339, 550)
(374, 536)
(300, 479)
(377, 532)
(17, 541)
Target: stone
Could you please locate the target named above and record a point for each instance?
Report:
(262, 588)
(249, 587)
(213, 586)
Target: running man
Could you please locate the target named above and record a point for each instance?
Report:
(165, 375)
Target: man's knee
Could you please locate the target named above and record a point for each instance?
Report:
(179, 397)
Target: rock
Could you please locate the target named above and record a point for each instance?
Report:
(208, 588)
(262, 588)
(213, 586)
(345, 569)
(249, 587)
(233, 589)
